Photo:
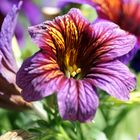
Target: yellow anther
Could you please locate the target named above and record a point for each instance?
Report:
(73, 74)
(72, 71)
(78, 70)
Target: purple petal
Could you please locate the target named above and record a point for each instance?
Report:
(32, 12)
(104, 42)
(10, 97)
(71, 24)
(128, 57)
(8, 66)
(116, 41)
(30, 9)
(77, 100)
(9, 23)
(41, 74)
(5, 6)
(114, 78)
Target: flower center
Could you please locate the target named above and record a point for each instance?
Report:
(68, 63)
(73, 71)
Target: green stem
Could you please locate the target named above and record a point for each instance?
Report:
(65, 135)
(79, 131)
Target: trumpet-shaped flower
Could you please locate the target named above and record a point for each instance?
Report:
(75, 58)
(9, 93)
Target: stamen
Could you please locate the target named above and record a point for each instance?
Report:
(67, 73)
(78, 70)
(73, 71)
(73, 74)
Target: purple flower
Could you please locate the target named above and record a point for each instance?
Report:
(75, 58)
(9, 93)
(28, 8)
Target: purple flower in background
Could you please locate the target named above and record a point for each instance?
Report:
(28, 8)
(9, 92)
(75, 58)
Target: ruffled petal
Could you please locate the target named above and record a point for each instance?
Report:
(77, 100)
(112, 39)
(114, 78)
(39, 76)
